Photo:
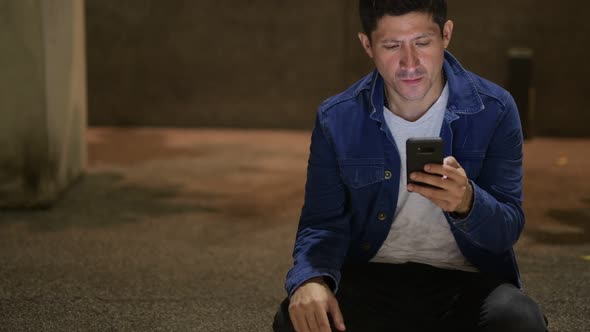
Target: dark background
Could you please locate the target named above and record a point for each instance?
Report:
(269, 63)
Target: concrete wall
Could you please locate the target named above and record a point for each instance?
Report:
(202, 63)
(42, 99)
(265, 63)
(558, 34)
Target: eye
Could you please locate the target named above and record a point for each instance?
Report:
(390, 47)
(423, 43)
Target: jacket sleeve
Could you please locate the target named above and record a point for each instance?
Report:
(496, 219)
(323, 234)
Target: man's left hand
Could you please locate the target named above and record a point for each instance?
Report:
(453, 193)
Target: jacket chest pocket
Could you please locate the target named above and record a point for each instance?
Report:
(358, 173)
(471, 161)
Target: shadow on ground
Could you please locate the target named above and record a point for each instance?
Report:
(105, 199)
(576, 222)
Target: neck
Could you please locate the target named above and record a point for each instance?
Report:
(412, 110)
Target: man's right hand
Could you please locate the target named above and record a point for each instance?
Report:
(310, 305)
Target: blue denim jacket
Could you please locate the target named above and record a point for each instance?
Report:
(353, 178)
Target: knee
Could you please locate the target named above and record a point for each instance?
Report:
(508, 309)
(282, 322)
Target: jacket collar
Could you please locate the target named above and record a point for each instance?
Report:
(463, 94)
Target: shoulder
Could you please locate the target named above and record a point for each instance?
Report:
(350, 100)
(490, 92)
(471, 93)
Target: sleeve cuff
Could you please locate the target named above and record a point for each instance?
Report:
(463, 221)
(296, 279)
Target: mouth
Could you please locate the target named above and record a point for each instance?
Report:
(412, 81)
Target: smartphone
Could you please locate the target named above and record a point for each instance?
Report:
(421, 151)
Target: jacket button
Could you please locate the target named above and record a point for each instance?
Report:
(366, 246)
(382, 216)
(388, 175)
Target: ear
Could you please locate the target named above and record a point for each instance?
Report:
(447, 33)
(366, 43)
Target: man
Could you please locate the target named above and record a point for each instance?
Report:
(374, 253)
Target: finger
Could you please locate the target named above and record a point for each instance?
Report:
(424, 191)
(440, 194)
(436, 196)
(298, 321)
(297, 315)
(434, 180)
(312, 322)
(336, 314)
(322, 321)
(445, 171)
(440, 169)
(451, 161)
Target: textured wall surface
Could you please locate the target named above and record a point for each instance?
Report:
(235, 63)
(557, 32)
(42, 99)
(268, 63)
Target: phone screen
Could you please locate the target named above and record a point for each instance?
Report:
(421, 151)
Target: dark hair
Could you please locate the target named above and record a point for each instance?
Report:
(371, 11)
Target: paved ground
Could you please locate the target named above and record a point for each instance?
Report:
(191, 230)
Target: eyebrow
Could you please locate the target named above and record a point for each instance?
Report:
(424, 35)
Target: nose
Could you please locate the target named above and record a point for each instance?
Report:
(409, 58)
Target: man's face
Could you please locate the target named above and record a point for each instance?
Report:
(408, 52)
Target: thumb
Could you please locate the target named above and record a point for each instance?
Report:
(451, 161)
(336, 314)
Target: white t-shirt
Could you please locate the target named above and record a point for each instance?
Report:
(420, 232)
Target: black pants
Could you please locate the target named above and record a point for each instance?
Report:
(377, 297)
